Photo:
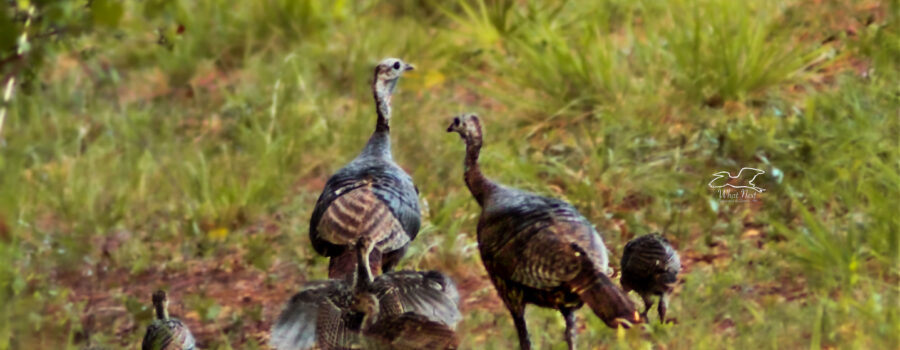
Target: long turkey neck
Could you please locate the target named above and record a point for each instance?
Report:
(363, 283)
(363, 272)
(478, 184)
(380, 142)
(161, 312)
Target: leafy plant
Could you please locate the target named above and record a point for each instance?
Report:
(720, 56)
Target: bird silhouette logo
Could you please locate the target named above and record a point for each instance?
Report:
(744, 179)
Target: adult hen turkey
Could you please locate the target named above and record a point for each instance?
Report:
(371, 196)
(539, 250)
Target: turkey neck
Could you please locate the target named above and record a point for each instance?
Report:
(161, 312)
(478, 184)
(363, 283)
(380, 142)
(363, 271)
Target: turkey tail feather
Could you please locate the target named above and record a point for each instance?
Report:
(604, 297)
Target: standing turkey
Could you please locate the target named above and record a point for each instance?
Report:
(369, 197)
(166, 333)
(650, 267)
(539, 250)
(396, 310)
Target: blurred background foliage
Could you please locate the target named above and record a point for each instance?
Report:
(181, 144)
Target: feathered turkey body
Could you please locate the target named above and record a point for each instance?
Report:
(326, 314)
(409, 331)
(650, 267)
(539, 250)
(321, 316)
(371, 196)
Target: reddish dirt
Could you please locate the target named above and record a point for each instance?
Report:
(240, 287)
(477, 293)
(225, 280)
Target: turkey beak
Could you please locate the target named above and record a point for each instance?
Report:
(409, 67)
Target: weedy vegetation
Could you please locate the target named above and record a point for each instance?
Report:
(181, 145)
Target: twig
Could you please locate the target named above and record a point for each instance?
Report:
(7, 95)
(11, 81)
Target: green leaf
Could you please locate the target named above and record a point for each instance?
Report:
(155, 8)
(714, 205)
(8, 34)
(107, 12)
(18, 285)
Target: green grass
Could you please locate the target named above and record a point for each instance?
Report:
(123, 161)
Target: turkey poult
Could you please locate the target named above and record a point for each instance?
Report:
(650, 267)
(166, 333)
(392, 331)
(539, 250)
(371, 196)
(392, 310)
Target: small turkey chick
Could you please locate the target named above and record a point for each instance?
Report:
(369, 197)
(539, 250)
(650, 267)
(166, 333)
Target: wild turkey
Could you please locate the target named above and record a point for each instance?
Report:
(166, 333)
(395, 329)
(371, 196)
(331, 314)
(539, 250)
(650, 267)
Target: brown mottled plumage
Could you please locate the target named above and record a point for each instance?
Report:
(408, 331)
(539, 250)
(369, 197)
(394, 329)
(166, 333)
(331, 314)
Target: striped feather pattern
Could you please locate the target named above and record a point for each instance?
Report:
(649, 265)
(295, 328)
(320, 316)
(426, 293)
(540, 250)
(543, 230)
(360, 213)
(367, 197)
(170, 334)
(337, 326)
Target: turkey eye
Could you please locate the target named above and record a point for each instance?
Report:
(396, 65)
